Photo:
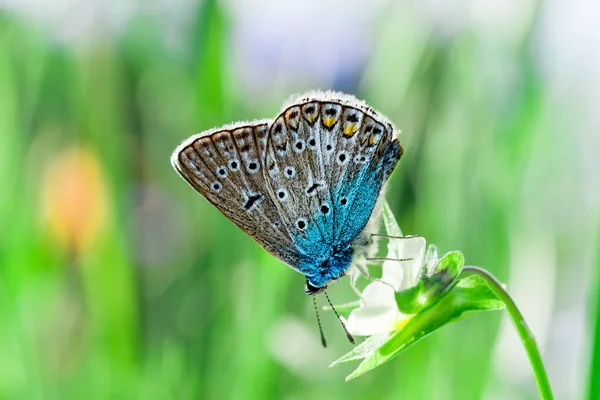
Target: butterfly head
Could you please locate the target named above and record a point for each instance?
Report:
(331, 269)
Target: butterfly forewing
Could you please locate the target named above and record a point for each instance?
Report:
(226, 166)
(327, 152)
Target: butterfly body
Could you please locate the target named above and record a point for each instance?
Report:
(303, 185)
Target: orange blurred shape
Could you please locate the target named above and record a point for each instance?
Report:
(74, 198)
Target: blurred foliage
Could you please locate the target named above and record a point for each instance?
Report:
(118, 281)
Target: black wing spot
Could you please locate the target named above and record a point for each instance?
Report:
(310, 109)
(253, 166)
(344, 201)
(352, 118)
(252, 201)
(330, 112)
(301, 223)
(329, 147)
(282, 194)
(312, 142)
(290, 172)
(312, 188)
(277, 128)
(222, 172)
(233, 165)
(216, 187)
(325, 209)
(282, 148)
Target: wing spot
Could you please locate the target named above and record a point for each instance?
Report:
(312, 142)
(299, 146)
(282, 194)
(222, 172)
(278, 128)
(216, 187)
(234, 165)
(281, 148)
(252, 166)
(311, 190)
(290, 172)
(325, 209)
(360, 159)
(352, 118)
(252, 202)
(329, 147)
(301, 223)
(342, 158)
(344, 201)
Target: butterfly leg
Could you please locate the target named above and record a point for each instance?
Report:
(354, 274)
(374, 237)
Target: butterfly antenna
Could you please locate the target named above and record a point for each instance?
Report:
(323, 342)
(348, 335)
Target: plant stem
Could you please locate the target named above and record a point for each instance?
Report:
(522, 328)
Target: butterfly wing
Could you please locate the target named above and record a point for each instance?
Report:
(328, 157)
(225, 165)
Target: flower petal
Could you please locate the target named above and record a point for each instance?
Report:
(378, 314)
(404, 274)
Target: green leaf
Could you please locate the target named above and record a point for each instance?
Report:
(469, 295)
(364, 349)
(432, 287)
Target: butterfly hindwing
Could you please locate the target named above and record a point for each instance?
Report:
(226, 166)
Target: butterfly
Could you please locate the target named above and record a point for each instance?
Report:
(303, 185)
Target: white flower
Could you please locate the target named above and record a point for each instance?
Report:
(405, 260)
(378, 311)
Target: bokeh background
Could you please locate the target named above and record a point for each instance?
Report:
(117, 280)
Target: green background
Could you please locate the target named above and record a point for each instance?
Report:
(117, 280)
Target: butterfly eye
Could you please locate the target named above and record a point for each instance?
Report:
(301, 223)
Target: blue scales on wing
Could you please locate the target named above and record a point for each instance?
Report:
(328, 157)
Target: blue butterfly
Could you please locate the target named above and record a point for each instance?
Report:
(303, 185)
